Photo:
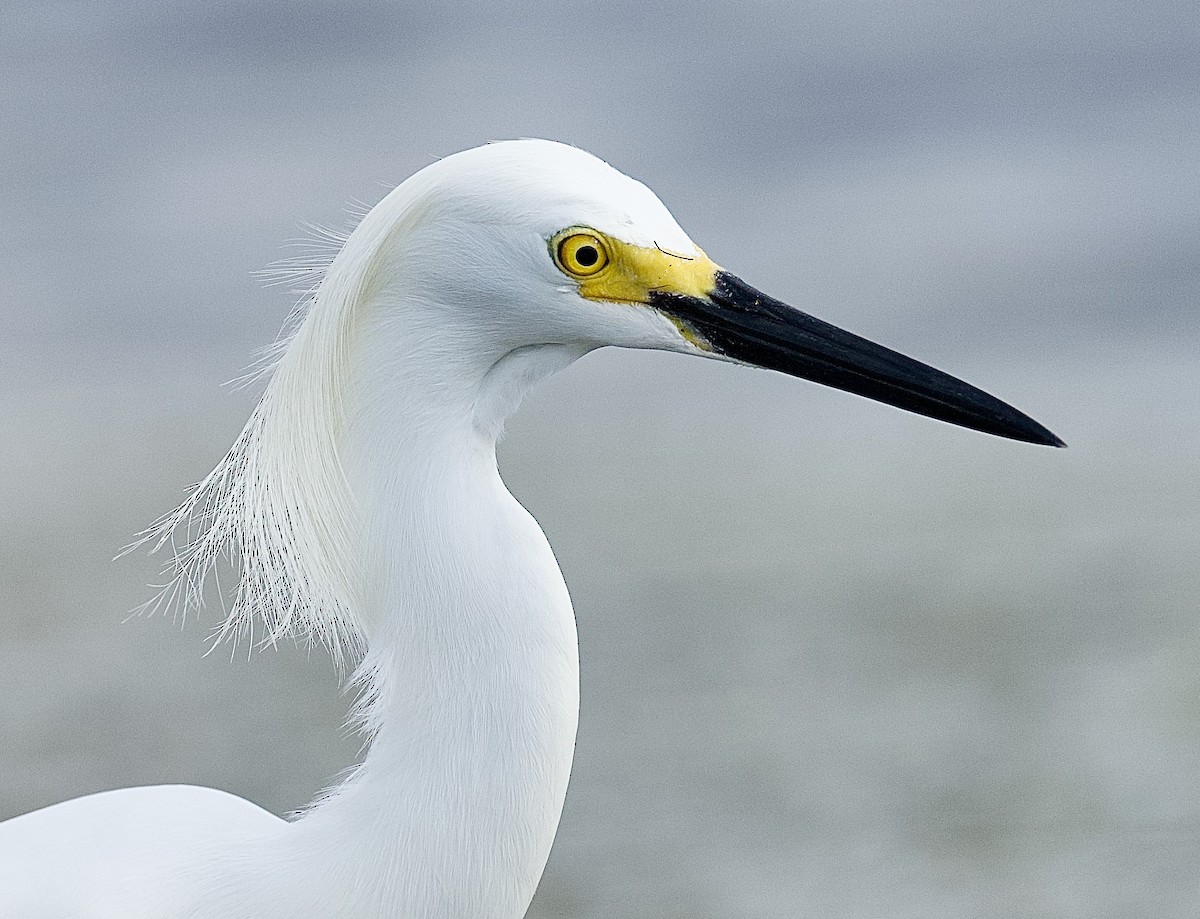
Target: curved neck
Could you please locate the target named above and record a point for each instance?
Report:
(471, 674)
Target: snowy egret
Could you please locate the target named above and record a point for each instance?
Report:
(364, 503)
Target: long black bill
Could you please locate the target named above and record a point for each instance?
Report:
(742, 323)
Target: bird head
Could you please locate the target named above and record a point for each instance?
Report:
(533, 243)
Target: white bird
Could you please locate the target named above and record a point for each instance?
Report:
(364, 502)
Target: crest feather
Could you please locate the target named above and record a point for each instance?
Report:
(278, 504)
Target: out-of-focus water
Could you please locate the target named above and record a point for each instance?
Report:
(837, 660)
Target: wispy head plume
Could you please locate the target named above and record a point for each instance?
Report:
(278, 504)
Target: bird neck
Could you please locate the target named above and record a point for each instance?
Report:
(471, 671)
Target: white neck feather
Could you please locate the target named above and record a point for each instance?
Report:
(471, 669)
(364, 500)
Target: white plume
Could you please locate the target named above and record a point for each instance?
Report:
(278, 504)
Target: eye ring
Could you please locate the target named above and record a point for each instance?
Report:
(581, 254)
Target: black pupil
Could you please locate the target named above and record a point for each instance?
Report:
(587, 256)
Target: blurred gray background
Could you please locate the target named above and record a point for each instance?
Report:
(838, 661)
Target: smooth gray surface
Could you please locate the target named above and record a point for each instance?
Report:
(838, 661)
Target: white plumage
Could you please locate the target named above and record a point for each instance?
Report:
(365, 506)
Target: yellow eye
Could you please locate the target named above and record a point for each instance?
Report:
(581, 254)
